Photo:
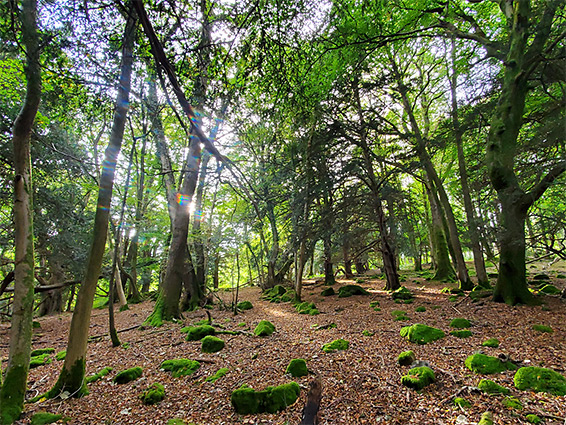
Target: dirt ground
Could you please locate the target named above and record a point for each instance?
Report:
(360, 385)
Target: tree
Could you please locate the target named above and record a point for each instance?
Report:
(14, 384)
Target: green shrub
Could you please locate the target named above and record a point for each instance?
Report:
(246, 400)
(211, 344)
(180, 367)
(264, 328)
(297, 368)
(153, 395)
(337, 344)
(421, 334)
(418, 377)
(480, 363)
(128, 375)
(539, 379)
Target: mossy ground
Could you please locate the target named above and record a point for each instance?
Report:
(99, 375)
(491, 342)
(350, 290)
(219, 374)
(43, 418)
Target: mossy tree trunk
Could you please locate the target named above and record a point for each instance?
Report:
(14, 385)
(443, 266)
(71, 378)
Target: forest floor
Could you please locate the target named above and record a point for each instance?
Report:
(361, 385)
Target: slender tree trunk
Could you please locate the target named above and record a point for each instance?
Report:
(14, 386)
(71, 378)
(444, 270)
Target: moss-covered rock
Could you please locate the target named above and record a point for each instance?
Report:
(264, 328)
(461, 333)
(41, 351)
(420, 309)
(289, 296)
(418, 377)
(533, 419)
(460, 323)
(486, 419)
(97, 376)
(246, 400)
(512, 403)
(491, 342)
(297, 368)
(211, 344)
(549, 289)
(43, 418)
(307, 308)
(406, 358)
(490, 387)
(543, 328)
(540, 379)
(128, 375)
(153, 395)
(462, 402)
(327, 292)
(40, 360)
(245, 305)
(274, 293)
(399, 315)
(481, 363)
(196, 333)
(180, 367)
(421, 334)
(541, 276)
(402, 294)
(219, 374)
(336, 345)
(349, 290)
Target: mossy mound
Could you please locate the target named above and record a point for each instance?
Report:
(41, 351)
(420, 309)
(490, 387)
(297, 368)
(421, 334)
(307, 308)
(491, 342)
(543, 328)
(61, 355)
(461, 333)
(153, 395)
(219, 374)
(462, 402)
(540, 379)
(264, 328)
(478, 292)
(211, 344)
(486, 419)
(274, 293)
(549, 289)
(246, 400)
(533, 419)
(336, 345)
(349, 290)
(453, 291)
(541, 276)
(402, 294)
(176, 421)
(418, 377)
(487, 365)
(180, 367)
(196, 333)
(245, 305)
(289, 296)
(40, 360)
(43, 418)
(512, 403)
(399, 315)
(128, 375)
(374, 304)
(460, 323)
(406, 358)
(97, 376)
(327, 292)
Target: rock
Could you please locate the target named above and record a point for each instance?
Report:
(543, 328)
(349, 290)
(539, 379)
(196, 333)
(402, 294)
(461, 333)
(245, 305)
(406, 358)
(491, 342)
(481, 363)
(153, 395)
(549, 290)
(246, 400)
(328, 292)
(264, 328)
(460, 323)
(211, 344)
(297, 368)
(128, 375)
(418, 378)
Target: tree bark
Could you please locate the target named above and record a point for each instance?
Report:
(444, 270)
(71, 378)
(14, 386)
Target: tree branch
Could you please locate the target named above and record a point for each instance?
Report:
(537, 191)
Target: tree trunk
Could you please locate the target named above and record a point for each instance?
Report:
(14, 386)
(444, 270)
(348, 274)
(52, 301)
(71, 378)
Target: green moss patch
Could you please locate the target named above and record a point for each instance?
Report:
(533, 419)
(42, 418)
(297, 368)
(196, 333)
(460, 323)
(219, 374)
(421, 334)
(462, 402)
(402, 294)
(543, 328)
(540, 379)
(153, 395)
(245, 305)
(366, 332)
(211, 344)
(264, 328)
(478, 293)
(41, 351)
(61, 355)
(461, 333)
(491, 342)
(399, 315)
(406, 358)
(327, 292)
(180, 367)
(420, 309)
(349, 290)
(40, 360)
(246, 400)
(490, 387)
(486, 419)
(549, 289)
(512, 403)
(97, 376)
(336, 345)
(481, 363)
(418, 377)
(128, 375)
(307, 308)
(275, 293)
